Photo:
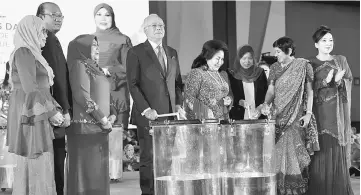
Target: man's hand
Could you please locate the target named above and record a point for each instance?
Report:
(67, 119)
(151, 114)
(57, 119)
(182, 113)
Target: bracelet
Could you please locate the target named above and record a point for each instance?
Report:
(309, 112)
(338, 83)
(324, 82)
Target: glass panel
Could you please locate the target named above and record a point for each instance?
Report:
(214, 159)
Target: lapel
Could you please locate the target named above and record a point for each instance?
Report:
(150, 51)
(169, 60)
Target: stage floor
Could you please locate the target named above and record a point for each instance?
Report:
(130, 185)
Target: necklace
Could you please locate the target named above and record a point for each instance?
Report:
(221, 84)
(216, 79)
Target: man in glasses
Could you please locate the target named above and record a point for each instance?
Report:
(53, 53)
(155, 84)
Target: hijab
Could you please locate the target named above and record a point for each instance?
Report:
(247, 75)
(80, 50)
(27, 35)
(110, 40)
(113, 28)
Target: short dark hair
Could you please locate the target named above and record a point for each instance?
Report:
(285, 43)
(210, 48)
(320, 32)
(41, 8)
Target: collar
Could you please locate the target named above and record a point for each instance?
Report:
(154, 45)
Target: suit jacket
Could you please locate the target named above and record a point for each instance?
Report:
(149, 86)
(53, 53)
(260, 90)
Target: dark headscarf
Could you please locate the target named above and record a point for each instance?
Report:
(79, 49)
(111, 41)
(113, 28)
(247, 75)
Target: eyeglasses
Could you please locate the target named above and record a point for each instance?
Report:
(154, 26)
(55, 16)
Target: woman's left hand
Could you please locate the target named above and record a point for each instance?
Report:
(305, 120)
(227, 100)
(106, 71)
(339, 75)
(112, 118)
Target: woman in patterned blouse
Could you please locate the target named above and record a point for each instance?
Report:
(207, 92)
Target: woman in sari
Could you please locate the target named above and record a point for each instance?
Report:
(329, 167)
(87, 136)
(207, 91)
(32, 111)
(290, 91)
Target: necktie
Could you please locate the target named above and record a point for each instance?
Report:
(161, 59)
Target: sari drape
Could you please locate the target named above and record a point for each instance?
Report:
(294, 144)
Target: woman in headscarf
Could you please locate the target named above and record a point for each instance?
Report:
(113, 46)
(248, 83)
(32, 111)
(87, 136)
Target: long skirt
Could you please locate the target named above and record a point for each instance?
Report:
(35, 176)
(88, 164)
(329, 173)
(292, 161)
(116, 153)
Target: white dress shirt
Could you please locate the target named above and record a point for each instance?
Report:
(248, 89)
(154, 46)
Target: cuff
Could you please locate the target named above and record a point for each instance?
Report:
(93, 110)
(97, 115)
(143, 113)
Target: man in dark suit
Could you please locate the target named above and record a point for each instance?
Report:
(53, 53)
(155, 84)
